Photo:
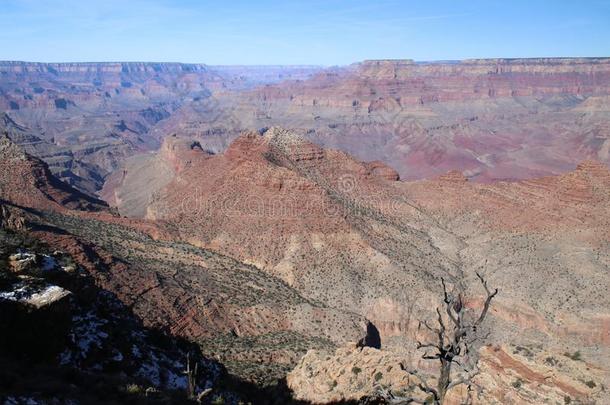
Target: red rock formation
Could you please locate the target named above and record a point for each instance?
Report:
(453, 176)
(380, 169)
(335, 240)
(497, 119)
(27, 181)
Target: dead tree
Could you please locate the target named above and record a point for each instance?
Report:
(455, 336)
(191, 377)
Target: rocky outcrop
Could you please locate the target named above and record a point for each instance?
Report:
(334, 243)
(181, 153)
(98, 114)
(453, 176)
(35, 318)
(56, 322)
(339, 233)
(508, 375)
(11, 219)
(27, 181)
(348, 374)
(380, 169)
(425, 119)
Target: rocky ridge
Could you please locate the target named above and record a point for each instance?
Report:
(362, 242)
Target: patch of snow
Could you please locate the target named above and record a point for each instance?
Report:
(87, 332)
(175, 381)
(135, 351)
(150, 370)
(22, 256)
(118, 356)
(65, 357)
(49, 294)
(48, 263)
(21, 401)
(18, 291)
(37, 296)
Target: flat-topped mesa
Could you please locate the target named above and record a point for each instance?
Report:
(453, 176)
(535, 61)
(26, 181)
(482, 68)
(181, 152)
(246, 146)
(285, 148)
(383, 69)
(293, 147)
(589, 182)
(99, 67)
(593, 168)
(380, 169)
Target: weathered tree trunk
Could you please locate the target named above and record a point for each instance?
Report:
(443, 380)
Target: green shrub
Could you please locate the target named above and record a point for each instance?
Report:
(576, 356)
(517, 383)
(133, 389)
(219, 400)
(378, 376)
(356, 370)
(551, 361)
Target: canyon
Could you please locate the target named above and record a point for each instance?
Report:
(273, 217)
(492, 119)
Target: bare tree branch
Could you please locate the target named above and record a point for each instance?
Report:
(490, 296)
(421, 345)
(453, 344)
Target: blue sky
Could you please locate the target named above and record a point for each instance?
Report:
(326, 32)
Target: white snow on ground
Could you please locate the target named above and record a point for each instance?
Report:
(159, 371)
(37, 297)
(150, 370)
(49, 294)
(22, 256)
(136, 352)
(48, 263)
(87, 333)
(15, 294)
(21, 401)
(118, 356)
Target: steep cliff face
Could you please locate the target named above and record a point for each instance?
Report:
(27, 181)
(509, 375)
(77, 342)
(347, 234)
(88, 117)
(318, 242)
(85, 119)
(491, 119)
(213, 300)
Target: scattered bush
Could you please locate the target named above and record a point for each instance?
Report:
(61, 103)
(576, 356)
(133, 389)
(219, 400)
(551, 361)
(356, 370)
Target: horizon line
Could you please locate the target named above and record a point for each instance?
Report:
(313, 65)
